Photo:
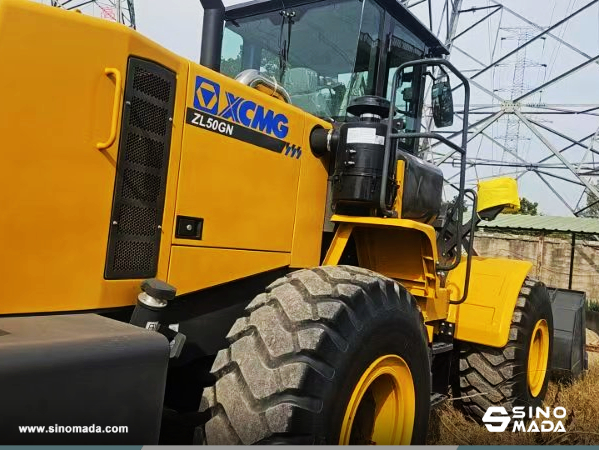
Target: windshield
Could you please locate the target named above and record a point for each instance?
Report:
(324, 54)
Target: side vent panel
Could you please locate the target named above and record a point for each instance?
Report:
(142, 165)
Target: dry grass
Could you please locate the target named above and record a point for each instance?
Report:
(581, 400)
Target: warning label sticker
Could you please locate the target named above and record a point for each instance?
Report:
(364, 136)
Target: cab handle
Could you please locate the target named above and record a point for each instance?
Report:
(115, 107)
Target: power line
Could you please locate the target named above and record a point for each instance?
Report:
(518, 79)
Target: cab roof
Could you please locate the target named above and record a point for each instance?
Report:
(393, 7)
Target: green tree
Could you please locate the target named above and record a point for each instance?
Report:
(231, 66)
(592, 209)
(527, 208)
(269, 65)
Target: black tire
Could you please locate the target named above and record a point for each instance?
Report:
(498, 376)
(294, 359)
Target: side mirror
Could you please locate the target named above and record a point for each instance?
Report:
(442, 102)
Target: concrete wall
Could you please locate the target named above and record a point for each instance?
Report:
(550, 257)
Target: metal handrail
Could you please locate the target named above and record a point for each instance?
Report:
(461, 149)
(116, 104)
(473, 221)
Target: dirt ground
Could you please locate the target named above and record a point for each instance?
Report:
(581, 399)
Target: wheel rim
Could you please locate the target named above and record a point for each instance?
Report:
(538, 356)
(382, 407)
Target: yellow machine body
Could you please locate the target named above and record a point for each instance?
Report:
(406, 251)
(261, 209)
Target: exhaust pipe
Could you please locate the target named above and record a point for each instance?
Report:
(212, 33)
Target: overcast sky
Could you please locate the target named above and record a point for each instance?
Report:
(177, 25)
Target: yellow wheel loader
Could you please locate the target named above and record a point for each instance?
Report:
(249, 249)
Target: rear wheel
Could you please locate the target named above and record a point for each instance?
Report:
(326, 356)
(517, 374)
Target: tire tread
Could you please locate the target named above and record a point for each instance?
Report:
(312, 309)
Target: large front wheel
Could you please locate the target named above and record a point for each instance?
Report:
(332, 355)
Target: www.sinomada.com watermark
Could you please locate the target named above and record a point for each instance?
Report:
(529, 420)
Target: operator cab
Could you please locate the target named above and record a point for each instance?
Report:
(337, 60)
(327, 53)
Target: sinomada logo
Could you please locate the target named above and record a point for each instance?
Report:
(528, 420)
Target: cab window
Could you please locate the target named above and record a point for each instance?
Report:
(410, 91)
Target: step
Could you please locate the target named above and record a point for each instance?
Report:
(442, 347)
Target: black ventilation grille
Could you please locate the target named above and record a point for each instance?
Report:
(140, 185)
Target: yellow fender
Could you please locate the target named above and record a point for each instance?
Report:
(486, 315)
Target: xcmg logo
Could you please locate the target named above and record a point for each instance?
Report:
(208, 98)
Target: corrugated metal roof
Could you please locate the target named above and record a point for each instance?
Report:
(546, 223)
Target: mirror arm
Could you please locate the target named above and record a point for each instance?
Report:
(430, 74)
